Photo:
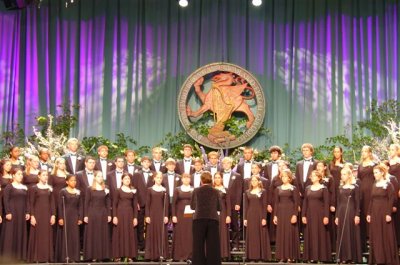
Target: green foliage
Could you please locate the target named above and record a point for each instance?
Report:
(115, 148)
(236, 125)
(203, 124)
(380, 115)
(62, 123)
(370, 131)
(16, 136)
(173, 143)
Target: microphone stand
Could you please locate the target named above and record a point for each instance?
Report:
(65, 231)
(163, 231)
(243, 232)
(341, 235)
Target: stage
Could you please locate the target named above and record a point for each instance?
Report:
(170, 263)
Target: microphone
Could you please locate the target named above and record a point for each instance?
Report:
(65, 231)
(343, 227)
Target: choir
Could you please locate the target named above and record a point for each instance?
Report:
(86, 209)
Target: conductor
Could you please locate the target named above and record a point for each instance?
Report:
(206, 204)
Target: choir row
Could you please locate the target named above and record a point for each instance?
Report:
(332, 208)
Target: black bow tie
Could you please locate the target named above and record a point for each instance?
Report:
(274, 162)
(247, 161)
(171, 174)
(119, 172)
(72, 154)
(131, 165)
(188, 160)
(213, 167)
(147, 172)
(157, 162)
(308, 160)
(227, 172)
(89, 173)
(103, 160)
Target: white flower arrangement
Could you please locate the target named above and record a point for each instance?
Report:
(54, 143)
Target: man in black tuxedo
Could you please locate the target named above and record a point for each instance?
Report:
(186, 164)
(170, 181)
(142, 180)
(157, 164)
(44, 163)
(73, 161)
(213, 163)
(305, 167)
(206, 204)
(233, 183)
(130, 166)
(102, 163)
(195, 178)
(84, 178)
(244, 167)
(114, 178)
(271, 169)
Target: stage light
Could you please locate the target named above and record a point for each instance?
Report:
(256, 2)
(183, 3)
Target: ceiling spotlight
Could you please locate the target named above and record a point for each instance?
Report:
(183, 3)
(256, 2)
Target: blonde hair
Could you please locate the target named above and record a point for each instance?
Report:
(227, 159)
(382, 168)
(309, 146)
(288, 174)
(103, 184)
(348, 171)
(56, 168)
(72, 140)
(369, 148)
(28, 164)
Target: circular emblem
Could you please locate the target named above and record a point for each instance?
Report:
(221, 105)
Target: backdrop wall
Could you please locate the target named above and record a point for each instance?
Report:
(320, 62)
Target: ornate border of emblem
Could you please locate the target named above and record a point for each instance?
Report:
(222, 67)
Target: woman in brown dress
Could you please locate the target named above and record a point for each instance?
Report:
(96, 242)
(348, 243)
(394, 170)
(5, 173)
(57, 178)
(156, 213)
(31, 172)
(224, 217)
(329, 182)
(336, 165)
(254, 219)
(315, 217)
(15, 153)
(42, 211)
(365, 175)
(382, 237)
(287, 202)
(70, 214)
(5, 179)
(14, 234)
(124, 241)
(182, 239)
